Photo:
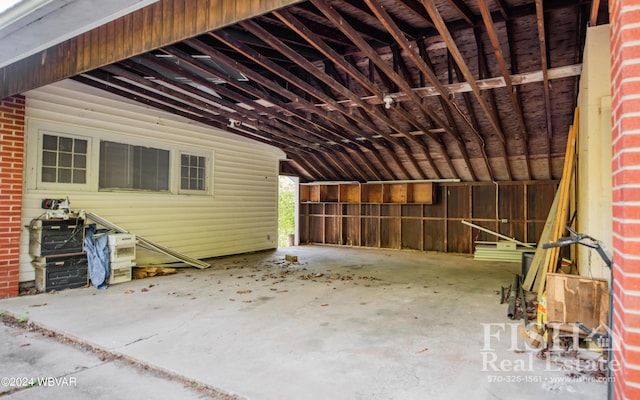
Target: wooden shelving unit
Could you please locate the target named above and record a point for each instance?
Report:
(416, 216)
(376, 193)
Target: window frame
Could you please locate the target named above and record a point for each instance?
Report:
(170, 171)
(41, 184)
(208, 181)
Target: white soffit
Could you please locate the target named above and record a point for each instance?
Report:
(30, 26)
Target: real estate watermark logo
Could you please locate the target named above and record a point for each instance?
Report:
(536, 353)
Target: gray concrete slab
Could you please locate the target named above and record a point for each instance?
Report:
(34, 367)
(341, 323)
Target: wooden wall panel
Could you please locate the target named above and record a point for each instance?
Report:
(434, 235)
(484, 202)
(458, 237)
(412, 234)
(390, 232)
(332, 230)
(514, 230)
(510, 202)
(316, 229)
(479, 235)
(437, 209)
(458, 202)
(539, 200)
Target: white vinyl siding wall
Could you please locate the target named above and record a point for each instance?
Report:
(239, 214)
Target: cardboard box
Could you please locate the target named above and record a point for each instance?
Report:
(575, 298)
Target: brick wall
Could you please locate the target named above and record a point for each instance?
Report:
(11, 167)
(625, 75)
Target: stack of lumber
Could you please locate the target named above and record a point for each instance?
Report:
(500, 251)
(546, 260)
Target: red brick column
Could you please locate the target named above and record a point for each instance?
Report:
(11, 170)
(625, 78)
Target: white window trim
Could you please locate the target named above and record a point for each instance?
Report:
(208, 155)
(37, 128)
(56, 131)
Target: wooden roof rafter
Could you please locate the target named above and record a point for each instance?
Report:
(241, 113)
(495, 43)
(304, 86)
(337, 86)
(544, 62)
(355, 37)
(424, 68)
(323, 133)
(457, 56)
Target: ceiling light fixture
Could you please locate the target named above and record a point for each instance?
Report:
(387, 100)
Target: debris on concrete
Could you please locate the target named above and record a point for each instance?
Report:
(145, 272)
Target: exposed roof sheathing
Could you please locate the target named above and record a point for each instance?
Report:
(477, 90)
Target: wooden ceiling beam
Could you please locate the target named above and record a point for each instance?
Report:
(427, 70)
(276, 88)
(457, 56)
(323, 77)
(378, 37)
(351, 165)
(312, 166)
(446, 108)
(355, 145)
(355, 37)
(497, 49)
(306, 65)
(98, 84)
(503, 9)
(568, 71)
(405, 148)
(464, 11)
(484, 72)
(367, 163)
(545, 80)
(285, 109)
(259, 127)
(479, 139)
(408, 29)
(244, 115)
(122, 89)
(256, 57)
(315, 40)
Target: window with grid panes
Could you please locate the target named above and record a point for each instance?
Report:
(193, 172)
(64, 159)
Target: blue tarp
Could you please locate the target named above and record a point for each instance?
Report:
(97, 250)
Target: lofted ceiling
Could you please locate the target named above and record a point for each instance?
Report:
(368, 90)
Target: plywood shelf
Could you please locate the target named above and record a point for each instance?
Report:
(371, 193)
(349, 193)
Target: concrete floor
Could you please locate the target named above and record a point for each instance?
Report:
(341, 323)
